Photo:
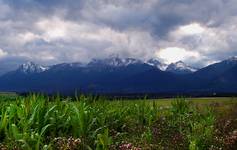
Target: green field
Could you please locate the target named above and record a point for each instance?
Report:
(39, 122)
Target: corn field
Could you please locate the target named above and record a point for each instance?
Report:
(39, 122)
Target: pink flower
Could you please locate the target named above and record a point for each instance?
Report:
(126, 146)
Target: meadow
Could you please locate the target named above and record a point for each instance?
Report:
(94, 123)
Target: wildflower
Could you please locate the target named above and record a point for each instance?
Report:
(125, 146)
(232, 139)
(128, 146)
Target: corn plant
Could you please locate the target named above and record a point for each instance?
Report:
(103, 140)
(37, 122)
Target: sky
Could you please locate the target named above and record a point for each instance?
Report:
(56, 31)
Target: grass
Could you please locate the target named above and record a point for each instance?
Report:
(203, 100)
(8, 94)
(39, 122)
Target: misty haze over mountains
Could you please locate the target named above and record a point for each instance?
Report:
(122, 75)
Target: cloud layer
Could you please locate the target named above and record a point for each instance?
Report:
(55, 31)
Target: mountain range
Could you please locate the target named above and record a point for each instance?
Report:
(122, 75)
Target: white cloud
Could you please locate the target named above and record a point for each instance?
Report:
(27, 37)
(53, 28)
(210, 43)
(95, 40)
(190, 29)
(174, 54)
(2, 53)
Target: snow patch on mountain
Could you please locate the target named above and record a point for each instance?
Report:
(157, 63)
(114, 62)
(180, 68)
(31, 67)
(231, 60)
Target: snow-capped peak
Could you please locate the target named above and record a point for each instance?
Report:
(157, 63)
(232, 59)
(114, 62)
(130, 61)
(71, 65)
(31, 67)
(180, 68)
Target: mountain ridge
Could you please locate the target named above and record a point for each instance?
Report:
(118, 75)
(180, 68)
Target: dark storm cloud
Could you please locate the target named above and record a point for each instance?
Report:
(157, 15)
(53, 31)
